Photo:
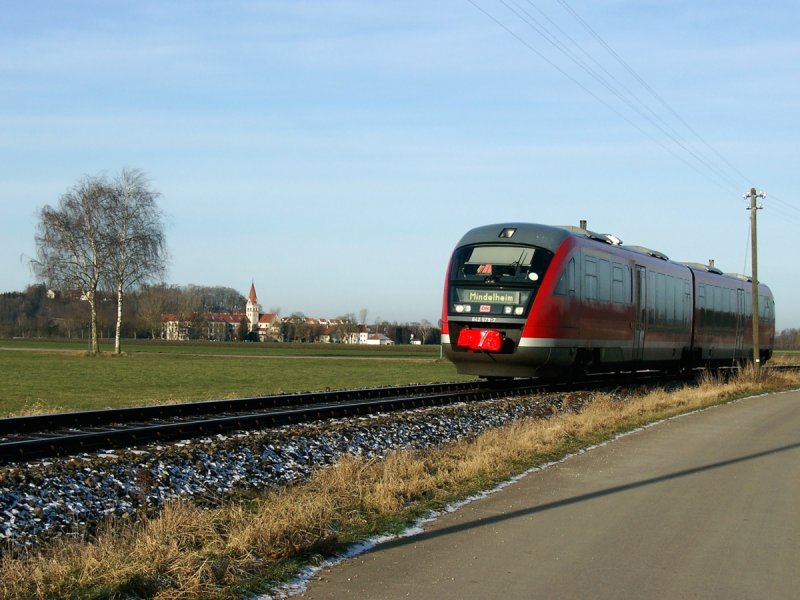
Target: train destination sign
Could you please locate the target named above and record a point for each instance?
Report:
(491, 296)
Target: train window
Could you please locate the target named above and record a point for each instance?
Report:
(500, 255)
(661, 297)
(687, 301)
(628, 286)
(604, 280)
(617, 283)
(764, 307)
(566, 283)
(731, 308)
(701, 305)
(670, 300)
(711, 303)
(506, 263)
(590, 278)
(651, 298)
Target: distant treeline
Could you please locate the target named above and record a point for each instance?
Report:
(40, 313)
(788, 339)
(37, 312)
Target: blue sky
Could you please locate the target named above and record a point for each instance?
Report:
(334, 152)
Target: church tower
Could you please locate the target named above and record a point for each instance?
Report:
(253, 310)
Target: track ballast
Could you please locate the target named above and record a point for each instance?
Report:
(43, 436)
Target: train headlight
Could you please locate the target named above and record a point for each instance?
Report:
(519, 310)
(507, 310)
(462, 308)
(459, 308)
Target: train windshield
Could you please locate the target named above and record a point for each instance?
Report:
(500, 264)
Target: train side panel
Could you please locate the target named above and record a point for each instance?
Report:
(723, 317)
(609, 307)
(667, 312)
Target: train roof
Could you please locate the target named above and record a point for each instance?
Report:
(544, 236)
(551, 237)
(647, 251)
(701, 267)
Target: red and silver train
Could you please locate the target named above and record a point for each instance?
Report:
(526, 300)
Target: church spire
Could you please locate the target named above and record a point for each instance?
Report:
(253, 310)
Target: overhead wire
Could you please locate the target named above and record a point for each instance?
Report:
(786, 208)
(650, 89)
(589, 91)
(719, 170)
(625, 94)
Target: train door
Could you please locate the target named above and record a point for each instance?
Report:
(640, 310)
(738, 352)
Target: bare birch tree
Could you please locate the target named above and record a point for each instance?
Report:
(136, 238)
(103, 233)
(423, 329)
(72, 243)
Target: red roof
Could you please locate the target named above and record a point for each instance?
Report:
(252, 295)
(210, 317)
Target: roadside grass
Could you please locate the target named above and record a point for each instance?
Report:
(252, 543)
(47, 382)
(785, 357)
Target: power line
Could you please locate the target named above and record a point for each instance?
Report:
(554, 35)
(710, 164)
(649, 88)
(626, 96)
(562, 71)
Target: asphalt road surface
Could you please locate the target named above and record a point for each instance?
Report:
(702, 506)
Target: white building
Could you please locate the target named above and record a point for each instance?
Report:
(225, 326)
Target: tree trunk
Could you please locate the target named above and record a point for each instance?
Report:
(118, 335)
(94, 346)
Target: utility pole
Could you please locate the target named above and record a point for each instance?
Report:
(754, 208)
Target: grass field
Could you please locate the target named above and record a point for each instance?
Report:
(43, 376)
(227, 348)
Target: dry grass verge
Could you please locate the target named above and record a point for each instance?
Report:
(188, 552)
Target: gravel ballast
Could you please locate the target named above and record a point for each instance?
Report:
(71, 496)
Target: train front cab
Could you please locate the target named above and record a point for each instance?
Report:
(498, 276)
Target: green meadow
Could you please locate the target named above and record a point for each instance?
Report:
(43, 377)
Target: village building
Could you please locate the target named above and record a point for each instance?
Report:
(225, 326)
(267, 327)
(363, 336)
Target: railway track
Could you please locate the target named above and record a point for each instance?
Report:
(24, 439)
(43, 436)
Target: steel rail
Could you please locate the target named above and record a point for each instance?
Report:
(43, 436)
(99, 418)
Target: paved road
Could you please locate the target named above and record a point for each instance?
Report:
(703, 506)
